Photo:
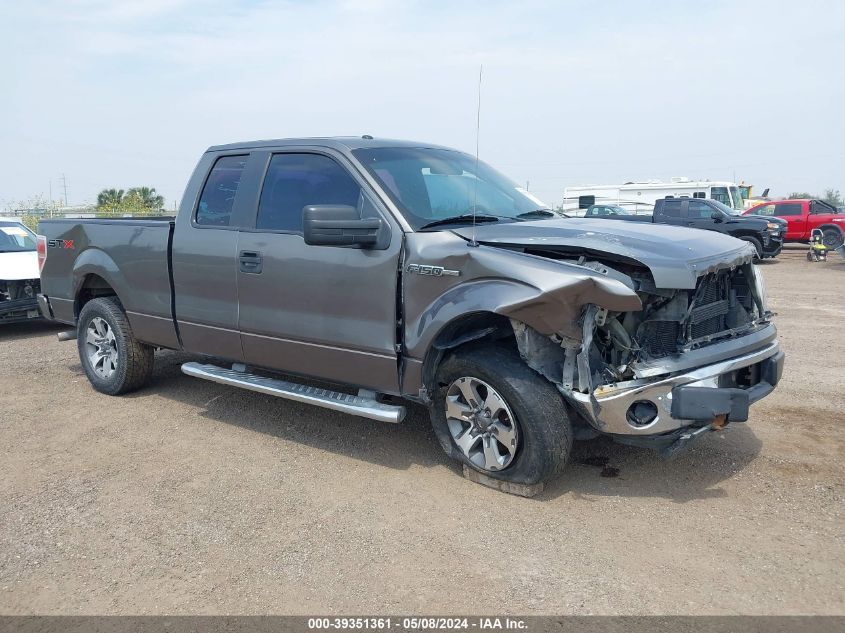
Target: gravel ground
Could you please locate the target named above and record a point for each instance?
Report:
(190, 497)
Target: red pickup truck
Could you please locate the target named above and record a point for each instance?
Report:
(802, 216)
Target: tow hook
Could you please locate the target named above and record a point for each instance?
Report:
(685, 439)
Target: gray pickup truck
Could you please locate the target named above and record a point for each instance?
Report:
(394, 270)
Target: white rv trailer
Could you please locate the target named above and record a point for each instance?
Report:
(639, 197)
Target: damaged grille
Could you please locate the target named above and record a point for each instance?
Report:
(720, 302)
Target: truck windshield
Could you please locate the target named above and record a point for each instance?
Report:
(433, 184)
(15, 238)
(736, 198)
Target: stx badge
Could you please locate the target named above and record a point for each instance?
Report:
(60, 243)
(433, 271)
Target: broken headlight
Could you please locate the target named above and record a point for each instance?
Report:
(759, 286)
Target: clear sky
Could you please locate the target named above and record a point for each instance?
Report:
(121, 94)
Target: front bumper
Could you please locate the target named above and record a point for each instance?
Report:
(19, 310)
(772, 245)
(691, 398)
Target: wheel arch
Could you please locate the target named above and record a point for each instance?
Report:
(825, 227)
(96, 274)
(462, 330)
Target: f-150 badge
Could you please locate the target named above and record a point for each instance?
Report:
(433, 271)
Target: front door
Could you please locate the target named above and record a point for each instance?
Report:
(322, 311)
(700, 216)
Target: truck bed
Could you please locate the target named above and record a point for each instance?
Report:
(125, 253)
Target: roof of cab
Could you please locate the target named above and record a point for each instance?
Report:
(335, 142)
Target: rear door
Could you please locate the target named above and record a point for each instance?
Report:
(322, 311)
(205, 245)
(670, 211)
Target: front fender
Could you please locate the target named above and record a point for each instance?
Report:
(542, 293)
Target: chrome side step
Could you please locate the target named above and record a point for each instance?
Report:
(366, 407)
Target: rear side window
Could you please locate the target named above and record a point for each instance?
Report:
(218, 195)
(788, 208)
(671, 208)
(768, 209)
(295, 181)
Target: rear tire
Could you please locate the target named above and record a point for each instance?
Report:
(756, 244)
(832, 238)
(113, 359)
(532, 438)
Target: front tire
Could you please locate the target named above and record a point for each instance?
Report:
(113, 359)
(756, 244)
(498, 416)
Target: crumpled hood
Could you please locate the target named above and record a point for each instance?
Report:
(676, 256)
(19, 265)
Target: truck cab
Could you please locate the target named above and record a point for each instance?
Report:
(804, 215)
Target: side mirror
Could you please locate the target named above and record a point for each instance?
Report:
(716, 215)
(338, 225)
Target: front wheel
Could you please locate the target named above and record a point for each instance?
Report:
(498, 416)
(756, 244)
(113, 359)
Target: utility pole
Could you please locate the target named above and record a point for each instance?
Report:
(64, 183)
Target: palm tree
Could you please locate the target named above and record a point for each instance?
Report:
(109, 199)
(148, 197)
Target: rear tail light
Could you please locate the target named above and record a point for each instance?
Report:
(42, 251)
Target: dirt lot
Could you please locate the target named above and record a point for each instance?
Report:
(190, 497)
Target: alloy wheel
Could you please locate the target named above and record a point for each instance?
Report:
(481, 423)
(101, 347)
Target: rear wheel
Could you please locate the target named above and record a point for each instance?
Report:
(832, 238)
(114, 361)
(498, 416)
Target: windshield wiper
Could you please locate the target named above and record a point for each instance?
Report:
(460, 219)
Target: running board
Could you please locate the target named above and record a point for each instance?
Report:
(344, 402)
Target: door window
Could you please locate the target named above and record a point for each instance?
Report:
(218, 194)
(699, 211)
(768, 209)
(295, 181)
(788, 208)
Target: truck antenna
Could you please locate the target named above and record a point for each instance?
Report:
(472, 241)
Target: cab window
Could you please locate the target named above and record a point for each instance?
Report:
(295, 181)
(671, 208)
(699, 211)
(218, 194)
(721, 194)
(788, 209)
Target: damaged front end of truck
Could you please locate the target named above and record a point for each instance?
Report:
(691, 360)
(18, 300)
